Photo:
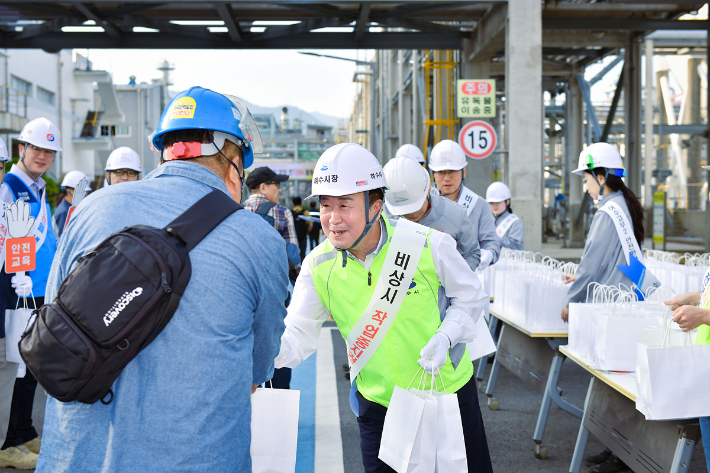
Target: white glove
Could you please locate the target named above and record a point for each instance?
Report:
(433, 355)
(79, 192)
(486, 258)
(22, 285)
(19, 221)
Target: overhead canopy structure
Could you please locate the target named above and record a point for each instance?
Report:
(423, 24)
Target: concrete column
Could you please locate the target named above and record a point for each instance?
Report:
(523, 73)
(573, 135)
(632, 110)
(479, 172)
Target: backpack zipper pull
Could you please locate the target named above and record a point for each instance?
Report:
(369, 278)
(164, 283)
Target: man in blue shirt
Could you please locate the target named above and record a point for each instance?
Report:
(183, 404)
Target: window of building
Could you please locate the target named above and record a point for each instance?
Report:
(123, 130)
(21, 85)
(45, 96)
(108, 130)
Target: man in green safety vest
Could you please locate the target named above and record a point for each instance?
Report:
(400, 293)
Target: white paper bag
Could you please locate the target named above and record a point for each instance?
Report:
(399, 431)
(580, 315)
(544, 304)
(673, 382)
(450, 445)
(274, 430)
(424, 450)
(15, 324)
(483, 344)
(615, 338)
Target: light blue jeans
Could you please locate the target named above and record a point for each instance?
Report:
(705, 431)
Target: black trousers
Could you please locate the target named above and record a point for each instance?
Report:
(281, 379)
(372, 419)
(20, 428)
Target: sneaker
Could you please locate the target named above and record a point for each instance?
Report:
(16, 458)
(33, 445)
(599, 458)
(612, 465)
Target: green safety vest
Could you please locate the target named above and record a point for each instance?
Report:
(703, 336)
(346, 293)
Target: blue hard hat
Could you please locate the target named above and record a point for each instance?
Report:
(203, 109)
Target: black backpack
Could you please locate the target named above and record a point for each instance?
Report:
(115, 302)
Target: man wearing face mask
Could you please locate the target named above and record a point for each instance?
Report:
(381, 282)
(39, 143)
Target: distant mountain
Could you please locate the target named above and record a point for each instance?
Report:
(295, 112)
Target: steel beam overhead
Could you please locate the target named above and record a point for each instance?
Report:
(164, 40)
(362, 20)
(227, 15)
(110, 28)
(614, 104)
(621, 24)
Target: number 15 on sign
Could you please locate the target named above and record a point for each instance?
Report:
(478, 139)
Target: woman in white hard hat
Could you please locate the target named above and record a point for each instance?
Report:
(615, 233)
(448, 162)
(122, 165)
(509, 227)
(69, 182)
(40, 141)
(408, 196)
(608, 241)
(412, 152)
(381, 283)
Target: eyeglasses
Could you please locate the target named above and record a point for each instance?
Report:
(126, 172)
(42, 150)
(277, 184)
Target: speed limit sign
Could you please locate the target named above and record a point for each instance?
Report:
(478, 139)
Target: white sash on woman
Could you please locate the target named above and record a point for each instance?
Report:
(505, 225)
(630, 246)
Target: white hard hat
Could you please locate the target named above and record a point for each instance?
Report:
(407, 184)
(72, 178)
(4, 156)
(411, 151)
(600, 155)
(123, 158)
(497, 192)
(447, 155)
(41, 133)
(344, 169)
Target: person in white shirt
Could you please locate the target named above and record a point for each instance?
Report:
(383, 284)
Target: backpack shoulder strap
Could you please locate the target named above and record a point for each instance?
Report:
(264, 208)
(204, 216)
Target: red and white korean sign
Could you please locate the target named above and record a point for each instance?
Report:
(20, 254)
(478, 139)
